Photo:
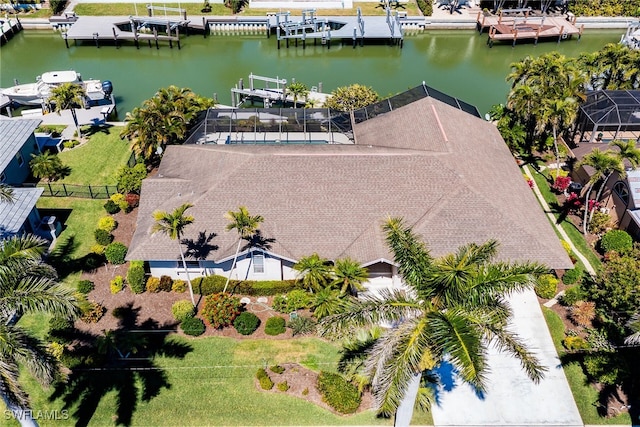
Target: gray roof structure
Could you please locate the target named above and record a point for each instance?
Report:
(14, 214)
(13, 134)
(448, 173)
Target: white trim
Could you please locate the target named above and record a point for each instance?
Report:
(249, 251)
(384, 260)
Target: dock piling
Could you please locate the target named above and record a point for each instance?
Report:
(95, 38)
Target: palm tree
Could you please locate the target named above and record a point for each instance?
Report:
(327, 301)
(246, 226)
(314, 272)
(297, 90)
(349, 276)
(6, 194)
(46, 165)
(634, 325)
(68, 96)
(605, 163)
(27, 286)
(173, 225)
(558, 113)
(453, 309)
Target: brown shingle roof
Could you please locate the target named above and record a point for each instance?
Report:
(448, 173)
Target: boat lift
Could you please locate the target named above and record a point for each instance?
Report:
(267, 94)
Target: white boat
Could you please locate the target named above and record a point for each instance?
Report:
(632, 37)
(37, 93)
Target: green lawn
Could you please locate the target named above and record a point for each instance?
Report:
(583, 393)
(194, 9)
(97, 161)
(574, 234)
(214, 385)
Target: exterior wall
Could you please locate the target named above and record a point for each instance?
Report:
(15, 173)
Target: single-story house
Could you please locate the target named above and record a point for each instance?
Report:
(17, 143)
(421, 155)
(21, 215)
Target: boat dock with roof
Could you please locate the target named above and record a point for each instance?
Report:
(512, 25)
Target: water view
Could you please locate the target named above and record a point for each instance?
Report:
(456, 62)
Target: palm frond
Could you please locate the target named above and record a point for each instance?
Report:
(36, 294)
(510, 343)
(370, 310)
(25, 247)
(453, 333)
(9, 386)
(393, 360)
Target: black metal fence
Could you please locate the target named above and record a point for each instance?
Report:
(82, 191)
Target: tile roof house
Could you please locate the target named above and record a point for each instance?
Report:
(448, 173)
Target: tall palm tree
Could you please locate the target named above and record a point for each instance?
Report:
(68, 96)
(27, 286)
(558, 113)
(349, 276)
(314, 272)
(604, 163)
(172, 225)
(246, 225)
(297, 90)
(454, 308)
(6, 194)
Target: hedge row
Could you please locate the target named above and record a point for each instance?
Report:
(215, 284)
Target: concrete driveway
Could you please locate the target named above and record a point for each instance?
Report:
(512, 399)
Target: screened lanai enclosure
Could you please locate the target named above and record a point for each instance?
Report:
(273, 126)
(607, 115)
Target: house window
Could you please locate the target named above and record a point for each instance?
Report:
(622, 191)
(19, 159)
(258, 262)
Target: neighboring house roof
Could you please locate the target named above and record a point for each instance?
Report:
(448, 173)
(13, 134)
(13, 215)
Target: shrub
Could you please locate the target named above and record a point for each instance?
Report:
(263, 378)
(339, 393)
(107, 223)
(575, 343)
(616, 240)
(153, 284)
(604, 368)
(283, 386)
(294, 300)
(182, 310)
(572, 276)
(275, 326)
(130, 179)
(546, 286)
(133, 200)
(600, 222)
(117, 284)
(215, 284)
(305, 391)
(561, 183)
(103, 237)
(572, 295)
(220, 310)
(115, 253)
(583, 312)
(93, 312)
(302, 325)
(120, 200)
(166, 282)
(97, 249)
(56, 350)
(426, 6)
(121, 312)
(60, 330)
(91, 261)
(111, 207)
(135, 276)
(57, 6)
(70, 144)
(192, 326)
(179, 286)
(246, 323)
(276, 369)
(85, 286)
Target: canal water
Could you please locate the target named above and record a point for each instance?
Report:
(456, 62)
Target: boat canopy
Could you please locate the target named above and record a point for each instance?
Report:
(59, 77)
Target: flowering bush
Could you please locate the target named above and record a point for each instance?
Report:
(572, 202)
(561, 183)
(220, 310)
(593, 204)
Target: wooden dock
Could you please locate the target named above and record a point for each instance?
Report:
(9, 28)
(512, 25)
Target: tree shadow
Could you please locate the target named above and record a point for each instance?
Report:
(258, 241)
(96, 128)
(201, 247)
(62, 260)
(120, 361)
